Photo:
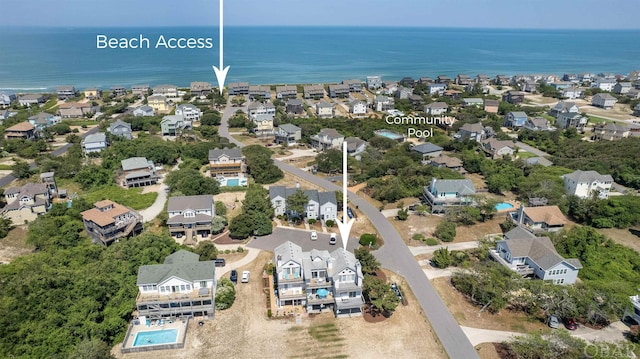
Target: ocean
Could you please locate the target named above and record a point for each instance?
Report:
(38, 59)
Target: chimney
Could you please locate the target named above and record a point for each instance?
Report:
(521, 214)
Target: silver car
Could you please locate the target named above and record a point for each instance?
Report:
(553, 322)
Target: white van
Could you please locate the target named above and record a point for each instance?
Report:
(314, 235)
(333, 239)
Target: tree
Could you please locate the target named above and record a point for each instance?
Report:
(402, 215)
(5, 226)
(225, 294)
(296, 204)
(210, 119)
(21, 169)
(367, 239)
(368, 261)
(217, 224)
(91, 349)
(329, 161)
(93, 176)
(241, 227)
(238, 101)
(261, 166)
(466, 215)
(445, 231)
(191, 182)
(207, 250)
(220, 208)
(380, 295)
(257, 200)
(442, 258)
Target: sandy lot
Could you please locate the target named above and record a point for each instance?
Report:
(244, 331)
(14, 245)
(623, 236)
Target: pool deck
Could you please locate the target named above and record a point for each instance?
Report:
(127, 346)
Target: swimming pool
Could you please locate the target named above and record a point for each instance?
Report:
(389, 134)
(156, 337)
(504, 206)
(232, 182)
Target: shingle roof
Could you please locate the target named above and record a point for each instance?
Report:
(547, 214)
(472, 127)
(288, 251)
(105, 217)
(134, 163)
(119, 123)
(519, 232)
(289, 128)
(588, 177)
(182, 264)
(450, 162)
(20, 127)
(437, 105)
(234, 153)
(95, 137)
(427, 147)
(464, 187)
(181, 203)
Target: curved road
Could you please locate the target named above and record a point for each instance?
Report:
(395, 256)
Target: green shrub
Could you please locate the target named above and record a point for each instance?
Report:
(367, 239)
(330, 223)
(311, 221)
(225, 294)
(446, 231)
(240, 250)
(442, 258)
(418, 237)
(227, 251)
(431, 241)
(269, 314)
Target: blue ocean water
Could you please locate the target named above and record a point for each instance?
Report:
(43, 58)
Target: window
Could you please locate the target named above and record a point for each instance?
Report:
(353, 294)
(154, 287)
(161, 289)
(182, 288)
(203, 284)
(188, 286)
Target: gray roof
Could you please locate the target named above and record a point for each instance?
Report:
(324, 104)
(154, 97)
(472, 127)
(181, 219)
(427, 147)
(189, 106)
(29, 189)
(314, 260)
(119, 123)
(588, 177)
(234, 153)
(95, 137)
(312, 194)
(539, 122)
(327, 197)
(353, 143)
(40, 116)
(342, 259)
(65, 88)
(289, 128)
(538, 161)
(181, 203)
(172, 119)
(255, 105)
(464, 187)
(539, 249)
(134, 163)
(473, 100)
(182, 264)
(518, 233)
(288, 251)
(437, 105)
(330, 133)
(294, 102)
(604, 96)
(518, 114)
(138, 174)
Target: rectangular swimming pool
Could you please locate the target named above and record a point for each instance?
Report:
(233, 182)
(156, 337)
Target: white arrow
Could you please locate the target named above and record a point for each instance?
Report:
(221, 72)
(345, 225)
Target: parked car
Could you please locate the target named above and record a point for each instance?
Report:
(314, 235)
(245, 276)
(553, 322)
(570, 324)
(350, 212)
(220, 262)
(234, 276)
(396, 290)
(333, 239)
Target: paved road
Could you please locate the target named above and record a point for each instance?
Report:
(395, 256)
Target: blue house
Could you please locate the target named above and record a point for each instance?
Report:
(515, 119)
(441, 194)
(43, 120)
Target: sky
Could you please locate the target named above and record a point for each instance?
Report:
(536, 14)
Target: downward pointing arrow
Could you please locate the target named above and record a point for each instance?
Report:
(221, 72)
(345, 225)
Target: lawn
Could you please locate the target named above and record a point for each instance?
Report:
(523, 155)
(130, 197)
(81, 122)
(596, 120)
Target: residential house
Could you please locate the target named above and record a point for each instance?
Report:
(571, 120)
(636, 110)
(172, 125)
(610, 132)
(537, 124)
(586, 77)
(403, 93)
(94, 142)
(584, 184)
(561, 85)
(453, 94)
(25, 203)
(345, 272)
(5, 114)
(563, 107)
(515, 119)
(120, 128)
(43, 120)
(603, 100)
(442, 79)
(539, 218)
(622, 88)
(288, 134)
(491, 106)
(390, 88)
(338, 90)
(200, 89)
(259, 92)
(570, 78)
(289, 276)
(532, 256)
(317, 283)
(227, 163)
(355, 85)
(31, 99)
(159, 103)
(181, 287)
(190, 216)
(407, 82)
(325, 109)
(49, 180)
(513, 97)
(374, 82)
(144, 111)
(138, 172)
(436, 108)
(417, 100)
(118, 90)
(189, 113)
(502, 80)
(286, 92)
(571, 93)
(482, 79)
(383, 103)
(77, 110)
(442, 194)
(65, 92)
(355, 145)
(529, 86)
(478, 102)
(238, 88)
(425, 80)
(427, 150)
(321, 206)
(168, 91)
(294, 106)
(6, 98)
(604, 84)
(109, 221)
(313, 91)
(436, 88)
(462, 79)
(23, 130)
(358, 107)
(326, 139)
(498, 149)
(633, 94)
(444, 161)
(92, 93)
(141, 90)
(264, 125)
(471, 131)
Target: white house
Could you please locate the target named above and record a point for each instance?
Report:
(471, 131)
(321, 206)
(584, 183)
(436, 108)
(604, 84)
(436, 88)
(571, 93)
(189, 112)
(327, 138)
(358, 107)
(325, 109)
(94, 143)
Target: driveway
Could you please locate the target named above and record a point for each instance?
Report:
(300, 237)
(149, 213)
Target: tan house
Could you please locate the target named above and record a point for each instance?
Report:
(23, 130)
(138, 172)
(539, 219)
(491, 106)
(159, 103)
(110, 221)
(227, 162)
(496, 148)
(76, 110)
(92, 93)
(610, 132)
(444, 161)
(25, 203)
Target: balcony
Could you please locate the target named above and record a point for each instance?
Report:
(291, 294)
(522, 269)
(313, 299)
(318, 283)
(289, 278)
(154, 297)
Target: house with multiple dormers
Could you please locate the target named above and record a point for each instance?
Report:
(259, 108)
(77, 110)
(23, 130)
(168, 91)
(94, 142)
(325, 109)
(515, 119)
(286, 92)
(143, 111)
(259, 92)
(65, 92)
(25, 203)
(497, 149)
(436, 108)
(190, 113)
(322, 206)
(138, 172)
(238, 88)
(288, 134)
(471, 131)
(326, 139)
(357, 107)
(313, 91)
(159, 103)
(120, 128)
(610, 132)
(443, 194)
(190, 216)
(604, 84)
(172, 125)
(587, 183)
(228, 164)
(108, 221)
(539, 219)
(603, 100)
(181, 287)
(532, 256)
(318, 281)
(200, 89)
(264, 125)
